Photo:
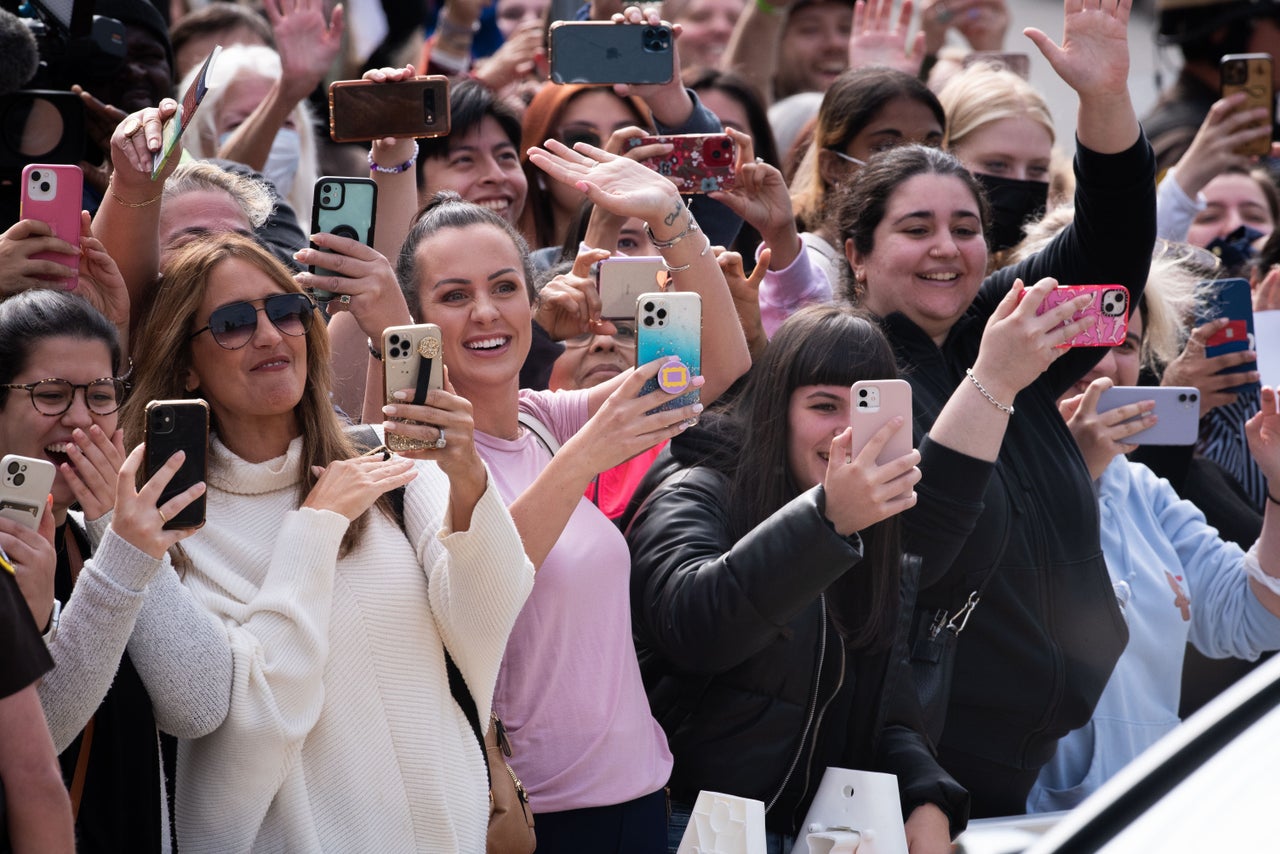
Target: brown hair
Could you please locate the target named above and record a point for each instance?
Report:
(165, 338)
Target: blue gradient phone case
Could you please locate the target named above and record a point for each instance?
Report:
(670, 324)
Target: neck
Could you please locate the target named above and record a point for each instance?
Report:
(495, 410)
(258, 439)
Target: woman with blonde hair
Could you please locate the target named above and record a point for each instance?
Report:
(1000, 128)
(340, 732)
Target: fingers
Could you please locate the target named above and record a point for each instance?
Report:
(175, 505)
(870, 451)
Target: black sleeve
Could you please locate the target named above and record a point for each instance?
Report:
(950, 501)
(25, 658)
(699, 598)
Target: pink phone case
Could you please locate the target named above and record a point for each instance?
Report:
(51, 193)
(871, 404)
(1109, 310)
(697, 163)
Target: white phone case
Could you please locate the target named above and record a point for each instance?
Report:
(25, 483)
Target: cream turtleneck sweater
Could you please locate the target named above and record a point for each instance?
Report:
(341, 734)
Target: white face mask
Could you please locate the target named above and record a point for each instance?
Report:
(282, 161)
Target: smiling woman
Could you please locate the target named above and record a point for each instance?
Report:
(308, 571)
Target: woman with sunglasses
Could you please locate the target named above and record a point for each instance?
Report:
(340, 734)
(103, 577)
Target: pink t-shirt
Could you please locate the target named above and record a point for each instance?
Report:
(569, 690)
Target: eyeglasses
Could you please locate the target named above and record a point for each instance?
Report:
(855, 161)
(624, 337)
(232, 325)
(54, 396)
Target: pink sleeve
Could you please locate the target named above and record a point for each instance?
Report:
(785, 291)
(563, 412)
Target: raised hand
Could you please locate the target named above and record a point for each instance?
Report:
(95, 462)
(1093, 58)
(569, 304)
(34, 561)
(876, 40)
(1214, 148)
(101, 120)
(1263, 434)
(859, 491)
(1101, 435)
(306, 41)
(761, 198)
(365, 285)
(100, 281)
(139, 518)
(19, 270)
(137, 138)
(746, 294)
(618, 184)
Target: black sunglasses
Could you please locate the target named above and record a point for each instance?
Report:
(232, 325)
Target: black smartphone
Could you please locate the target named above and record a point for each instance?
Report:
(362, 110)
(605, 52)
(179, 425)
(346, 207)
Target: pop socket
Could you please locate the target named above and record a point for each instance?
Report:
(673, 377)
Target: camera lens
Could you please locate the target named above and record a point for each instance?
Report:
(35, 176)
(648, 321)
(15, 467)
(862, 404)
(44, 186)
(19, 479)
(1182, 398)
(862, 392)
(648, 306)
(662, 313)
(326, 200)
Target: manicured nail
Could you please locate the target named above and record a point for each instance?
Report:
(388, 410)
(401, 395)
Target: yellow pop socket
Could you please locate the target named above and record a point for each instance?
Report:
(673, 377)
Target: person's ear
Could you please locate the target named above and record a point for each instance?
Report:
(857, 263)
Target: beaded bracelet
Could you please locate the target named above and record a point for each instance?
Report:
(393, 170)
(1003, 407)
(374, 351)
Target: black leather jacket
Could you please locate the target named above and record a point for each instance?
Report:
(744, 668)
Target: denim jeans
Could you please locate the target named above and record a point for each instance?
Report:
(775, 843)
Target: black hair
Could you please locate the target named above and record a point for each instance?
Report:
(818, 345)
(470, 103)
(449, 210)
(31, 316)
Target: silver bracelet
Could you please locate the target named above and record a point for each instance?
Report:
(690, 228)
(684, 267)
(1003, 407)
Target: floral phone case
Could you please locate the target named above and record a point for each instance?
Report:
(697, 162)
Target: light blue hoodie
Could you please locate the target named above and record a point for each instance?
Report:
(1176, 580)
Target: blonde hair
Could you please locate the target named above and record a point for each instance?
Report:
(984, 93)
(201, 138)
(252, 196)
(165, 338)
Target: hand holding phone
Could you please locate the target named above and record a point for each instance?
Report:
(346, 207)
(1177, 411)
(365, 110)
(1250, 73)
(25, 483)
(52, 194)
(697, 162)
(1109, 313)
(172, 426)
(670, 325)
(873, 404)
(605, 52)
(1232, 300)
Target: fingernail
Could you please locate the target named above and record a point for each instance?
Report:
(698, 381)
(389, 410)
(390, 427)
(697, 407)
(401, 395)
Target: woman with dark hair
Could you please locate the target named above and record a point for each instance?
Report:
(585, 743)
(766, 588)
(104, 578)
(1007, 516)
(340, 730)
(864, 112)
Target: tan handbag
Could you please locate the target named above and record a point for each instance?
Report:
(510, 819)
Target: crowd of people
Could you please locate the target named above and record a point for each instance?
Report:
(656, 594)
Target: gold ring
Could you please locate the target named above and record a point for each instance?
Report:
(164, 520)
(132, 127)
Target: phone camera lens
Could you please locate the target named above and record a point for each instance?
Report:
(326, 200)
(648, 320)
(19, 479)
(44, 186)
(662, 313)
(1194, 397)
(35, 176)
(862, 404)
(15, 467)
(1182, 398)
(862, 392)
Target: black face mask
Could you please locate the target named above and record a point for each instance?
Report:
(1012, 204)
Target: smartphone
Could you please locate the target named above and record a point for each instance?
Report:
(25, 483)
(670, 324)
(52, 193)
(363, 110)
(179, 425)
(346, 207)
(1250, 73)
(1232, 299)
(1109, 312)
(605, 52)
(872, 404)
(411, 359)
(622, 279)
(177, 124)
(1177, 410)
(697, 162)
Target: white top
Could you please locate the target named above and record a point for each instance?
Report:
(342, 735)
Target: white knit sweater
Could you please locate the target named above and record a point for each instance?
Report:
(342, 735)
